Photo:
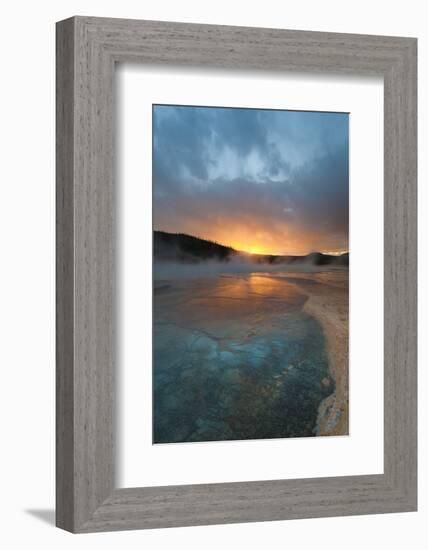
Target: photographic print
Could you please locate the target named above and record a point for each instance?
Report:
(250, 273)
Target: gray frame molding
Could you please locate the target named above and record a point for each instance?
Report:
(87, 50)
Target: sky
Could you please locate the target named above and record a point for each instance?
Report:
(261, 181)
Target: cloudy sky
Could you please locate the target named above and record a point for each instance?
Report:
(259, 180)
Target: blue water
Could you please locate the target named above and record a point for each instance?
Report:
(235, 357)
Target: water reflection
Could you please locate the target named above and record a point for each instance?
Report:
(235, 358)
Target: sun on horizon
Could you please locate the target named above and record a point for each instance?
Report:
(256, 249)
(260, 181)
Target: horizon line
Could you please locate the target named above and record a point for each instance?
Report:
(329, 253)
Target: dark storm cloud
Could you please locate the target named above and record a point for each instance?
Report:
(278, 175)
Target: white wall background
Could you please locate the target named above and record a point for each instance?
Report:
(27, 272)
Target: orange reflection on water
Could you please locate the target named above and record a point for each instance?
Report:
(234, 296)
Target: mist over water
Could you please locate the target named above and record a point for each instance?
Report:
(178, 270)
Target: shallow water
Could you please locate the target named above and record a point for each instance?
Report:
(235, 357)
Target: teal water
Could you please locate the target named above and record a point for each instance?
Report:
(235, 357)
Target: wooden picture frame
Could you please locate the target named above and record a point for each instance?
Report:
(87, 50)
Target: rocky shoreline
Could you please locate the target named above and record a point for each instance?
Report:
(328, 303)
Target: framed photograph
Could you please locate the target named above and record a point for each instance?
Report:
(236, 274)
(236, 352)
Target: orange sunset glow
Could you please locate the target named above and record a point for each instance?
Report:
(261, 182)
(259, 239)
